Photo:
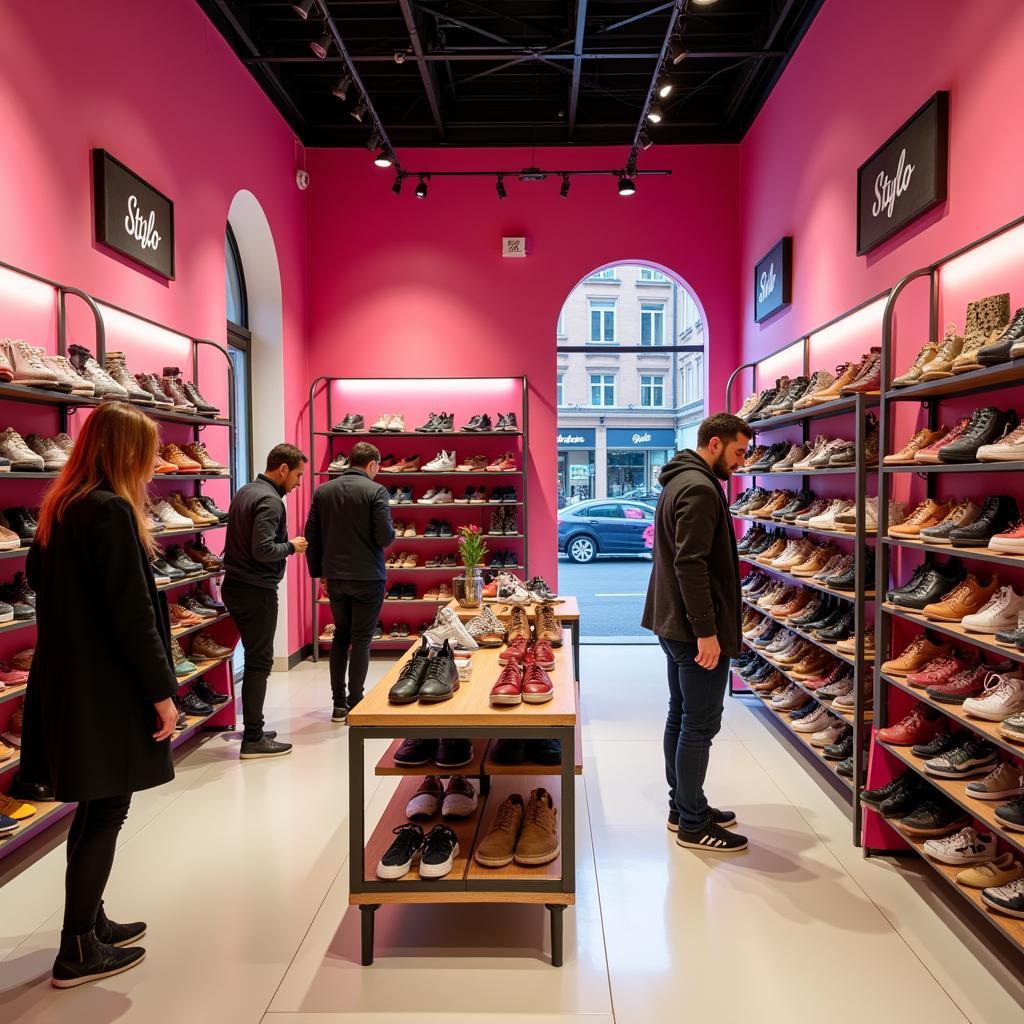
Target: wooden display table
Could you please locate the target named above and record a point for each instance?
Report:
(567, 611)
(467, 715)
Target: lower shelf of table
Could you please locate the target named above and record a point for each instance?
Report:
(466, 873)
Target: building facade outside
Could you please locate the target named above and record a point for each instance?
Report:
(623, 414)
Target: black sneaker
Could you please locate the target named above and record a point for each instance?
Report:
(713, 838)
(935, 816)
(440, 848)
(544, 751)
(973, 757)
(724, 819)
(478, 423)
(415, 752)
(161, 567)
(845, 767)
(176, 557)
(999, 513)
(339, 713)
(938, 744)
(454, 753)
(83, 958)
(193, 704)
(508, 751)
(904, 783)
(398, 860)
(1011, 815)
(264, 747)
(114, 934)
(839, 751)
(430, 427)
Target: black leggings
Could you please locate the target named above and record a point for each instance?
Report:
(91, 843)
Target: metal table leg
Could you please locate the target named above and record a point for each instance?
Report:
(557, 919)
(368, 910)
(574, 626)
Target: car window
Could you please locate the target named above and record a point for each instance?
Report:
(639, 512)
(605, 512)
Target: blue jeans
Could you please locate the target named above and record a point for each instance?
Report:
(696, 698)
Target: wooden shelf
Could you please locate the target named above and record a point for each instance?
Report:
(971, 554)
(189, 581)
(177, 533)
(797, 473)
(436, 474)
(470, 705)
(16, 553)
(205, 624)
(386, 765)
(567, 609)
(201, 669)
(176, 477)
(46, 814)
(420, 539)
(492, 767)
(13, 692)
(990, 730)
(846, 595)
(444, 568)
(16, 624)
(954, 630)
(956, 790)
(421, 434)
(1011, 927)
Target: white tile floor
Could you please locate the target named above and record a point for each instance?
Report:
(240, 870)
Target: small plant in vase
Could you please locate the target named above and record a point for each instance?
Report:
(469, 587)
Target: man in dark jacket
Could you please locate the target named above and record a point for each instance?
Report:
(349, 526)
(256, 551)
(693, 605)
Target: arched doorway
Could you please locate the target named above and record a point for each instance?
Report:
(631, 370)
(260, 299)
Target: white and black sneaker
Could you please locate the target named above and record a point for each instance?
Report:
(1007, 899)
(440, 848)
(340, 713)
(713, 838)
(724, 819)
(400, 855)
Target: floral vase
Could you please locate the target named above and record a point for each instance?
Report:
(469, 588)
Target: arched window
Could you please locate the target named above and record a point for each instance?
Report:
(237, 304)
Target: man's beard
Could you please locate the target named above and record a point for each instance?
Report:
(721, 468)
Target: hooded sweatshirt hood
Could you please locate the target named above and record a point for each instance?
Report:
(686, 459)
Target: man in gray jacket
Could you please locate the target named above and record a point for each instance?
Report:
(349, 526)
(694, 607)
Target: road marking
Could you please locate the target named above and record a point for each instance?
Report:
(621, 595)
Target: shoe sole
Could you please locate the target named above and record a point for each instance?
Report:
(1013, 826)
(962, 773)
(254, 757)
(1007, 794)
(392, 872)
(130, 940)
(998, 906)
(939, 859)
(75, 982)
(1012, 546)
(987, 716)
(439, 870)
(1014, 737)
(506, 701)
(541, 858)
(494, 862)
(709, 849)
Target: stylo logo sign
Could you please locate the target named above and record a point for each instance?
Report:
(142, 229)
(888, 190)
(768, 279)
(641, 438)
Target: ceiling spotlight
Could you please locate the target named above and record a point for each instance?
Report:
(397, 187)
(654, 114)
(645, 138)
(374, 141)
(399, 56)
(384, 158)
(322, 45)
(359, 110)
(703, 3)
(421, 189)
(665, 86)
(302, 9)
(500, 186)
(627, 187)
(564, 190)
(343, 86)
(676, 50)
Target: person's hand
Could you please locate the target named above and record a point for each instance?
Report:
(708, 651)
(167, 715)
(300, 544)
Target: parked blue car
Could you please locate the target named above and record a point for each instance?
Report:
(604, 526)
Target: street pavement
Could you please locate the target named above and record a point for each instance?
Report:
(611, 593)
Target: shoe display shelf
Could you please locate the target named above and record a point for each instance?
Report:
(64, 407)
(200, 627)
(332, 397)
(770, 523)
(467, 715)
(830, 648)
(855, 406)
(891, 689)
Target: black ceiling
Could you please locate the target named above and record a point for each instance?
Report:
(516, 72)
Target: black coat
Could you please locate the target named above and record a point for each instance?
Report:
(695, 581)
(348, 527)
(103, 658)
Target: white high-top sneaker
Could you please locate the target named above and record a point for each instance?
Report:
(1003, 696)
(448, 626)
(999, 614)
(442, 462)
(171, 519)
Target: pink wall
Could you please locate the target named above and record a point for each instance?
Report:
(157, 86)
(860, 72)
(407, 287)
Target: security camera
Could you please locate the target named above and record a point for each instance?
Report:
(302, 179)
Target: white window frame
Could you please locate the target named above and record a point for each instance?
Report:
(606, 380)
(602, 306)
(652, 382)
(559, 389)
(652, 275)
(608, 274)
(655, 313)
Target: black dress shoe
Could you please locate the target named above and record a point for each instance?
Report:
(999, 351)
(263, 747)
(784, 403)
(83, 958)
(114, 934)
(911, 584)
(999, 513)
(453, 753)
(938, 580)
(192, 704)
(841, 630)
(415, 752)
(510, 751)
(441, 679)
(776, 452)
(841, 750)
(209, 695)
(162, 567)
(406, 689)
(846, 580)
(800, 501)
(38, 792)
(987, 426)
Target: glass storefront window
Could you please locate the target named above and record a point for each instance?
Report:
(575, 477)
(625, 472)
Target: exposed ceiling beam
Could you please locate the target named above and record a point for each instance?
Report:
(577, 64)
(677, 7)
(269, 76)
(516, 54)
(510, 19)
(426, 73)
(748, 78)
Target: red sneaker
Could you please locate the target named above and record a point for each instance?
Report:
(969, 683)
(508, 690)
(537, 686)
(918, 727)
(540, 653)
(835, 673)
(516, 651)
(939, 670)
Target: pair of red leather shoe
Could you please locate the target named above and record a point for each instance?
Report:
(524, 677)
